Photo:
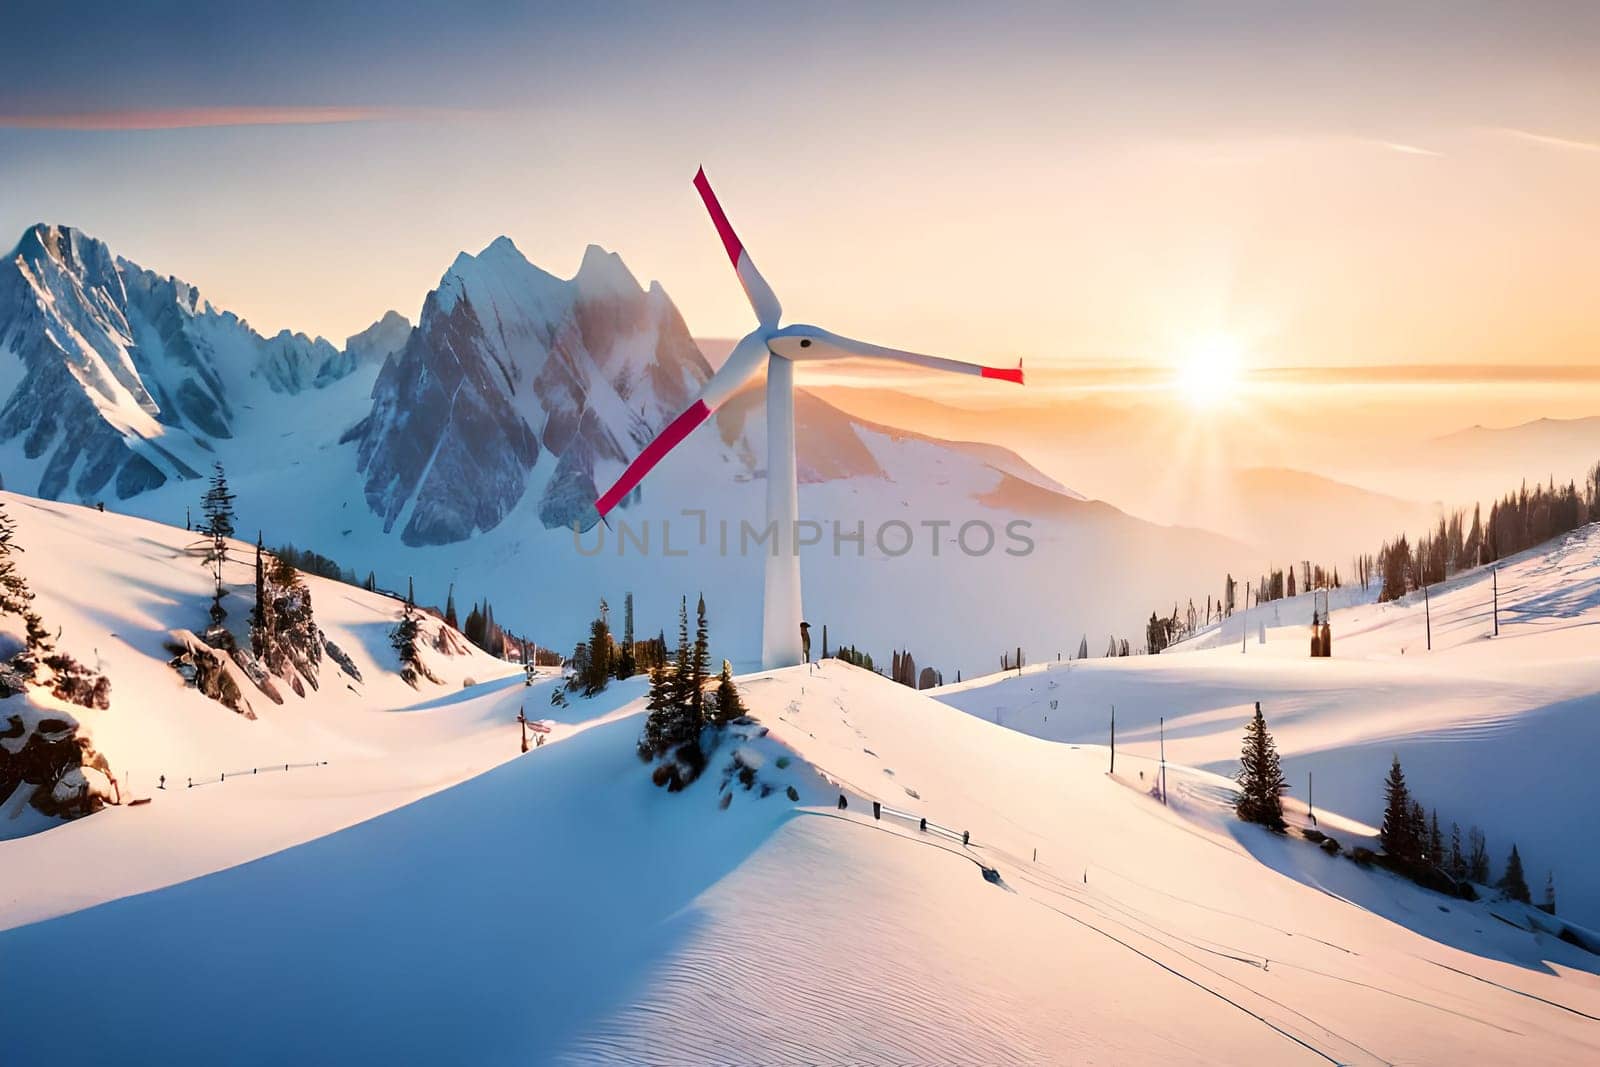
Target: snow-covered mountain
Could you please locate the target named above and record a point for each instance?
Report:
(461, 451)
(516, 377)
(117, 380)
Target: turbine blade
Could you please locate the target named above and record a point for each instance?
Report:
(743, 362)
(762, 298)
(955, 366)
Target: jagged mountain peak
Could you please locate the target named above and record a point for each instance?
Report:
(125, 379)
(515, 378)
(381, 340)
(603, 272)
(66, 246)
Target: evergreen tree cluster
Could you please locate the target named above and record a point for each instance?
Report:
(1118, 648)
(1160, 632)
(602, 657)
(1414, 845)
(595, 661)
(1516, 522)
(39, 661)
(903, 669)
(1275, 584)
(855, 657)
(404, 638)
(679, 710)
(309, 562)
(480, 627)
(1260, 778)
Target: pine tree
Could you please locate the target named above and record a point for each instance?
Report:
(597, 671)
(217, 505)
(681, 670)
(258, 615)
(699, 665)
(450, 608)
(1435, 843)
(825, 652)
(1549, 904)
(33, 662)
(658, 724)
(15, 596)
(1419, 831)
(371, 584)
(403, 639)
(729, 705)
(1458, 862)
(1512, 882)
(1396, 835)
(1260, 778)
(1083, 647)
(1477, 857)
(627, 659)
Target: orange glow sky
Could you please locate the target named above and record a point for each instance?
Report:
(1330, 188)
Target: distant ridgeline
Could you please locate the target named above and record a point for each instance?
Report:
(1520, 520)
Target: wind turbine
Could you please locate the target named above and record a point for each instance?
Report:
(779, 347)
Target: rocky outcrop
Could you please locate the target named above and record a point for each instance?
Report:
(215, 673)
(45, 754)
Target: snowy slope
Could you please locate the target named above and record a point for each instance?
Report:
(1493, 731)
(116, 587)
(561, 909)
(557, 907)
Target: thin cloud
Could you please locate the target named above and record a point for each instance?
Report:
(198, 117)
(1548, 139)
(1409, 149)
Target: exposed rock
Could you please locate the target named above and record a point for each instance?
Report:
(212, 672)
(45, 753)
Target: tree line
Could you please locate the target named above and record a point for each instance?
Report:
(1517, 521)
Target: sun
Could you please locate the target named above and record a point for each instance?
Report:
(1209, 373)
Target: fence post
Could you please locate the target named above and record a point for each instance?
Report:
(877, 810)
(924, 824)
(966, 838)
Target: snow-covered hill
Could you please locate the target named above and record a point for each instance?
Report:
(1493, 731)
(458, 452)
(560, 908)
(118, 587)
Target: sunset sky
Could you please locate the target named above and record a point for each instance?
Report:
(1325, 187)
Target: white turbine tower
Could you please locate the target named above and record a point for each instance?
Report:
(779, 347)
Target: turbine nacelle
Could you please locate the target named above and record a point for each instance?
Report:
(805, 342)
